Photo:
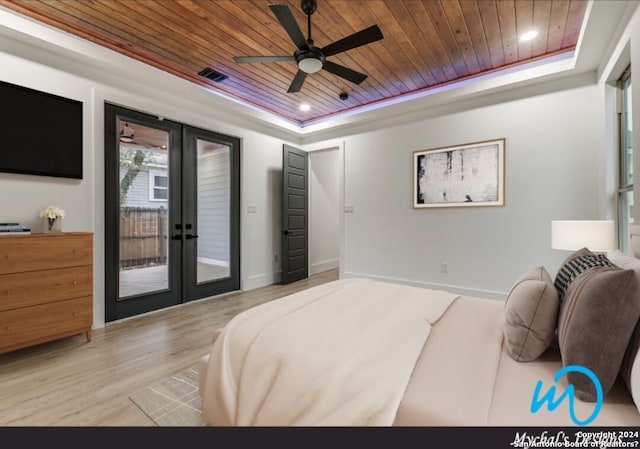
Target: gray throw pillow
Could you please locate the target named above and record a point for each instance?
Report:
(576, 264)
(531, 314)
(597, 317)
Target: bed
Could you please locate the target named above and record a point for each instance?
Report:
(358, 352)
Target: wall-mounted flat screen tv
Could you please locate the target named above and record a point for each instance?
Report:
(40, 133)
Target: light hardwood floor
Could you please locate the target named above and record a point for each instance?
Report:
(69, 382)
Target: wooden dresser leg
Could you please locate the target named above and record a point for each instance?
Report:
(88, 336)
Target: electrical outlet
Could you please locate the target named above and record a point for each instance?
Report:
(444, 267)
(348, 208)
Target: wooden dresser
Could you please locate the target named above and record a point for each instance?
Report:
(46, 287)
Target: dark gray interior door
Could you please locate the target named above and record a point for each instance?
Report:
(295, 215)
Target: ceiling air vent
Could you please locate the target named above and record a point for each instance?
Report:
(213, 75)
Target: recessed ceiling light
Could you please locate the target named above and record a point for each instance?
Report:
(305, 107)
(528, 35)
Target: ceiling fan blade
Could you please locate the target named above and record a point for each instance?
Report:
(297, 82)
(288, 22)
(254, 59)
(363, 37)
(344, 72)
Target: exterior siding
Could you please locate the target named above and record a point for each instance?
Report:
(138, 195)
(213, 206)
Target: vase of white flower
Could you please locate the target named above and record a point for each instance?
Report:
(52, 219)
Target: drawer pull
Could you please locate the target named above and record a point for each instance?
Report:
(75, 282)
(8, 292)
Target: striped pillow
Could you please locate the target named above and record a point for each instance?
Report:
(577, 264)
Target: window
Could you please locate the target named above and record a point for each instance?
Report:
(158, 186)
(625, 184)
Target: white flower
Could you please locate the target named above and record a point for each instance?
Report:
(52, 212)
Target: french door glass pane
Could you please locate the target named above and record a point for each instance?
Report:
(213, 210)
(627, 138)
(625, 218)
(143, 212)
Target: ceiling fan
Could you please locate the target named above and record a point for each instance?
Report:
(308, 57)
(127, 137)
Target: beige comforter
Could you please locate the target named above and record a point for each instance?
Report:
(338, 354)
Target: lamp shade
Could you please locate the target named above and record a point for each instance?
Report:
(596, 235)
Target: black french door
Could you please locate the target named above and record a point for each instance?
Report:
(295, 214)
(172, 213)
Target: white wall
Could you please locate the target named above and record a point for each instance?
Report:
(23, 196)
(261, 231)
(324, 210)
(552, 144)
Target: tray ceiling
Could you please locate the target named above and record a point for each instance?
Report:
(426, 44)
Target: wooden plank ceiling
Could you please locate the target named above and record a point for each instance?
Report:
(426, 43)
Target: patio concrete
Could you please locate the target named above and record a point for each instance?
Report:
(136, 281)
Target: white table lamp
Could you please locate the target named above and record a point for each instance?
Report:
(596, 235)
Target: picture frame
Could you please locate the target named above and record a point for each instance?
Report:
(468, 175)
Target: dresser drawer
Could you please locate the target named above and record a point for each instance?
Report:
(24, 289)
(41, 252)
(35, 324)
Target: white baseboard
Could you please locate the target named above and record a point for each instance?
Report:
(326, 265)
(261, 280)
(501, 296)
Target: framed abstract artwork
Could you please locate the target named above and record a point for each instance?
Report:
(460, 176)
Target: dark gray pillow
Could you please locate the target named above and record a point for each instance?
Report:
(576, 264)
(531, 315)
(597, 317)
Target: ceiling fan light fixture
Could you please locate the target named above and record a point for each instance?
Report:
(309, 58)
(126, 134)
(310, 64)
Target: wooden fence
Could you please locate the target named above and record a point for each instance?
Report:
(143, 237)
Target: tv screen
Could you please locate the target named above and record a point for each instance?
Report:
(40, 133)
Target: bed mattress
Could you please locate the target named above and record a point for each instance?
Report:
(465, 377)
(461, 375)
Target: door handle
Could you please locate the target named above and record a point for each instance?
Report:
(286, 232)
(189, 236)
(178, 227)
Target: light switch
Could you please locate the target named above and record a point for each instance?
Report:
(252, 208)
(348, 208)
